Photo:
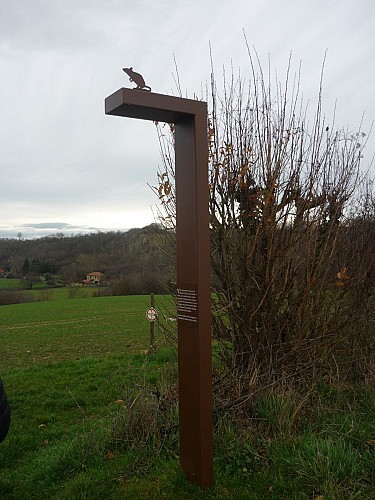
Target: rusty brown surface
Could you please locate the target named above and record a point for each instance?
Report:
(137, 78)
(193, 267)
(151, 106)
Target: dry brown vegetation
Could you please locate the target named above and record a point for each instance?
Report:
(292, 222)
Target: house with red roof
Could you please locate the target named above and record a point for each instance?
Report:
(93, 278)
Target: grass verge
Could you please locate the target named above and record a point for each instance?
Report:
(94, 416)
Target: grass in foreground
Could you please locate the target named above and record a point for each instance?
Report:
(68, 329)
(84, 427)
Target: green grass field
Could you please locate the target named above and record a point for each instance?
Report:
(10, 284)
(85, 424)
(71, 329)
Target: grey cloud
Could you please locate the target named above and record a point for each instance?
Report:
(62, 159)
(31, 231)
(48, 225)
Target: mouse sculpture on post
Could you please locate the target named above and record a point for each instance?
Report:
(136, 78)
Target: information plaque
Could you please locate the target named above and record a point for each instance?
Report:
(187, 304)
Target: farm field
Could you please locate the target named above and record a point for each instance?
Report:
(9, 284)
(19, 284)
(65, 363)
(69, 329)
(85, 412)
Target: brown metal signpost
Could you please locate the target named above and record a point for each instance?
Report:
(193, 267)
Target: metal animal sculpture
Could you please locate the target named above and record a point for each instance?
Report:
(137, 79)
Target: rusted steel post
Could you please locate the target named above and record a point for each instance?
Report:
(193, 267)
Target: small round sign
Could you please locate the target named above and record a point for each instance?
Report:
(151, 314)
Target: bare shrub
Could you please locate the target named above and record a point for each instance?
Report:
(148, 416)
(292, 246)
(102, 292)
(138, 283)
(76, 292)
(8, 297)
(45, 295)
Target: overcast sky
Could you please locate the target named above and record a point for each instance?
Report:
(66, 167)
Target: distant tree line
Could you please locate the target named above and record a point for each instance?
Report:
(132, 261)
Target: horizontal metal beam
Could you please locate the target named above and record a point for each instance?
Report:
(145, 105)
